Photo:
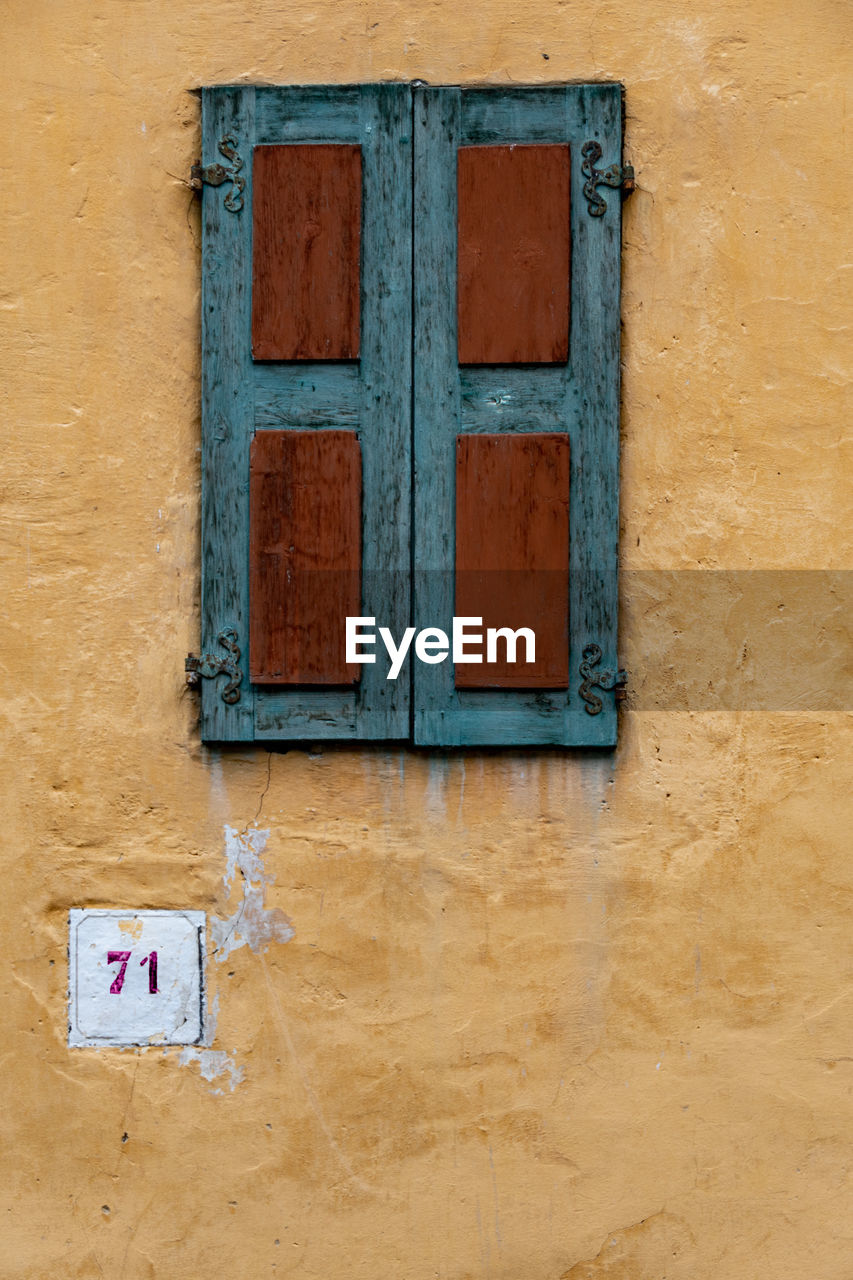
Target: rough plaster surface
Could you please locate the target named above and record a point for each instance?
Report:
(542, 1016)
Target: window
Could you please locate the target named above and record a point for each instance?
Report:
(410, 326)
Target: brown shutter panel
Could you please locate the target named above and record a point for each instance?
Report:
(304, 555)
(513, 239)
(512, 553)
(306, 228)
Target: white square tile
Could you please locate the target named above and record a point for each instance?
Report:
(135, 977)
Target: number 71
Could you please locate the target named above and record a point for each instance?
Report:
(122, 958)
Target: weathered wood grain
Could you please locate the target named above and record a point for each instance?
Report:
(594, 111)
(308, 113)
(493, 396)
(306, 242)
(437, 399)
(511, 114)
(304, 555)
(227, 412)
(512, 553)
(323, 395)
(513, 254)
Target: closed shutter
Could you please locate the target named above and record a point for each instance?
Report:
(516, 339)
(306, 306)
(410, 409)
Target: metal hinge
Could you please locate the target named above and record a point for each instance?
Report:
(615, 175)
(215, 174)
(207, 666)
(615, 680)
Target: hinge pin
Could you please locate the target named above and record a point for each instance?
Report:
(615, 175)
(207, 666)
(213, 175)
(614, 681)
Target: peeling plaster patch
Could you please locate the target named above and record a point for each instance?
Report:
(252, 924)
(214, 1063)
(211, 1018)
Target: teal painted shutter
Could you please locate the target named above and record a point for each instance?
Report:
(580, 398)
(407, 398)
(370, 395)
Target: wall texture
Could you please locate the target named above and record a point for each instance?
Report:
(541, 1016)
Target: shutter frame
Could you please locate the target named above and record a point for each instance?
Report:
(227, 415)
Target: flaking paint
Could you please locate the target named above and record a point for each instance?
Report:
(542, 1015)
(251, 924)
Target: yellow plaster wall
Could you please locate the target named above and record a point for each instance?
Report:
(543, 1016)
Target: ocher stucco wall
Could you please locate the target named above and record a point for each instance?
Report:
(542, 1016)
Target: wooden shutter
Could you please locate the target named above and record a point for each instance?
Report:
(508, 327)
(504, 393)
(333, 354)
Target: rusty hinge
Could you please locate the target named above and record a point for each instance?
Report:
(207, 666)
(215, 174)
(615, 175)
(615, 680)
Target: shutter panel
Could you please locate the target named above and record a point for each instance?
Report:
(512, 553)
(579, 398)
(306, 242)
(513, 242)
(304, 555)
(332, 363)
